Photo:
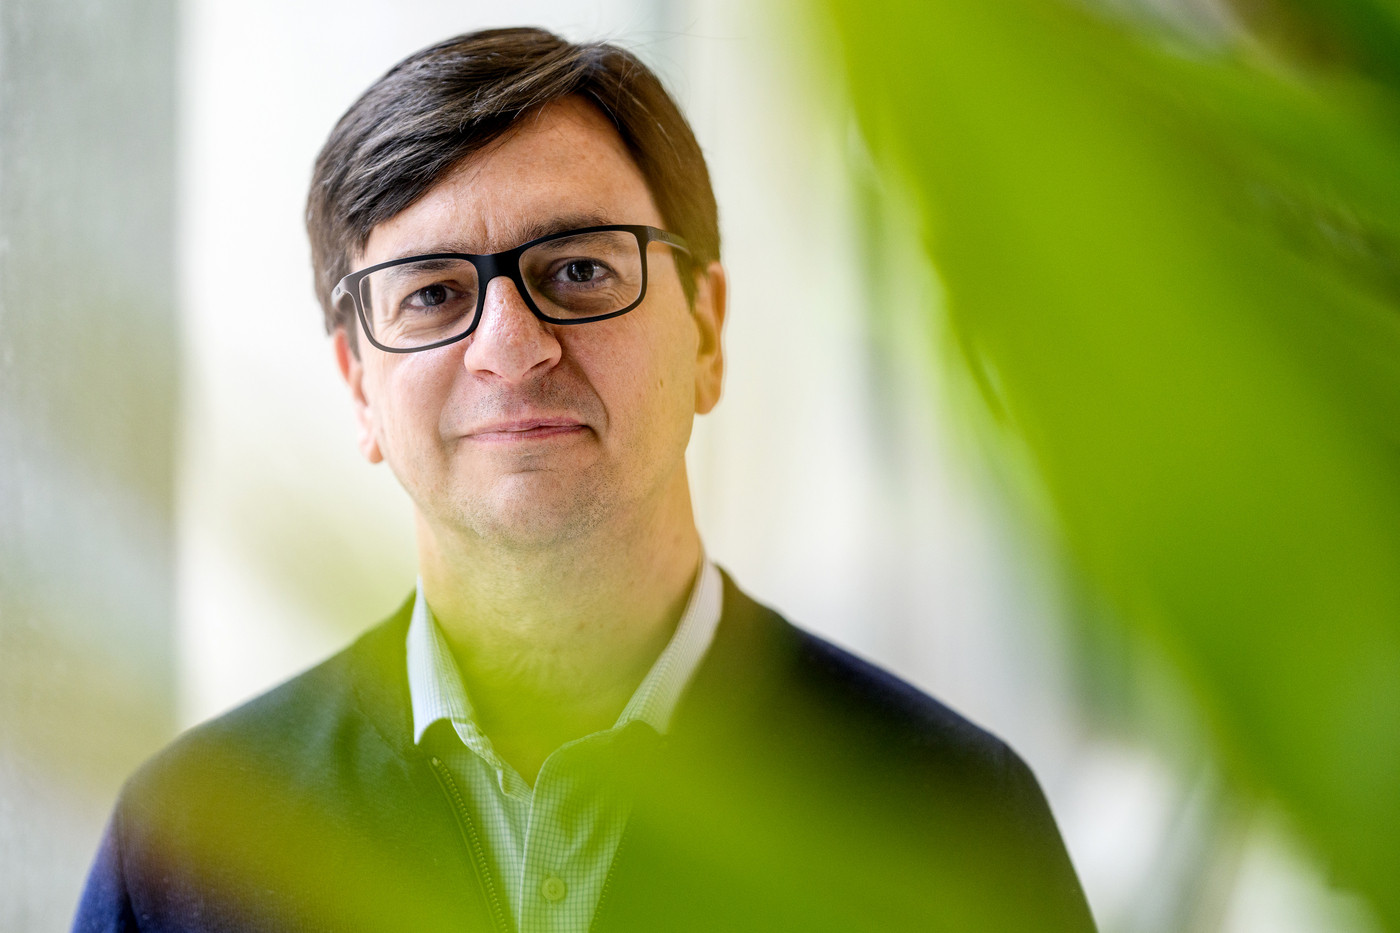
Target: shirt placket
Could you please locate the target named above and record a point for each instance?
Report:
(576, 822)
(551, 889)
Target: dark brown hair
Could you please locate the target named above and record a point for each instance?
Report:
(449, 101)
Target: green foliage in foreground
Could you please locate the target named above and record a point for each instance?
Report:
(1174, 271)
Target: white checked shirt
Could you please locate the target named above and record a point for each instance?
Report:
(554, 843)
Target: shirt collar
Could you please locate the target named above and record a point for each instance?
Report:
(437, 692)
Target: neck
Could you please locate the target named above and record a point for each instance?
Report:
(553, 641)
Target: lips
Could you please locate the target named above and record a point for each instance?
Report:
(525, 429)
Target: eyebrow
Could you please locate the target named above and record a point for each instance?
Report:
(523, 232)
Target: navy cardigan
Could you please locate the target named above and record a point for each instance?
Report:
(800, 788)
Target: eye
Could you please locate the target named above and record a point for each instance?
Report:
(431, 297)
(582, 270)
(583, 274)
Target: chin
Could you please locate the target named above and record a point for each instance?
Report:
(528, 519)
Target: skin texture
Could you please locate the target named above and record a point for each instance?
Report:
(546, 462)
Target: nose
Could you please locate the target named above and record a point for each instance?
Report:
(509, 342)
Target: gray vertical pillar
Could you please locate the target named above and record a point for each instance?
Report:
(87, 395)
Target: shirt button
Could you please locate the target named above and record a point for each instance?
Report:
(553, 888)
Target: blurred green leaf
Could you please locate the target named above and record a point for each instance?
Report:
(1176, 271)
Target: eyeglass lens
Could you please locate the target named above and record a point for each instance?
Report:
(569, 278)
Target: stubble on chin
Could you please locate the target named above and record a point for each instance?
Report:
(528, 510)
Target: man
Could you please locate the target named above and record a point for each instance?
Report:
(576, 722)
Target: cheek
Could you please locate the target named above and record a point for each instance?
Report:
(656, 376)
(411, 398)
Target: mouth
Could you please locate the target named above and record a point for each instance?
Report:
(527, 429)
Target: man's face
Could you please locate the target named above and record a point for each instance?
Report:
(525, 433)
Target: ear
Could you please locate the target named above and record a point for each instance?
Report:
(711, 294)
(353, 372)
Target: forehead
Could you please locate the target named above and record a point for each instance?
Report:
(564, 166)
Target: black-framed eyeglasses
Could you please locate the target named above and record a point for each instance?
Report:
(574, 277)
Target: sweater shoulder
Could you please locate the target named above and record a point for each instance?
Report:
(868, 696)
(824, 700)
(299, 725)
